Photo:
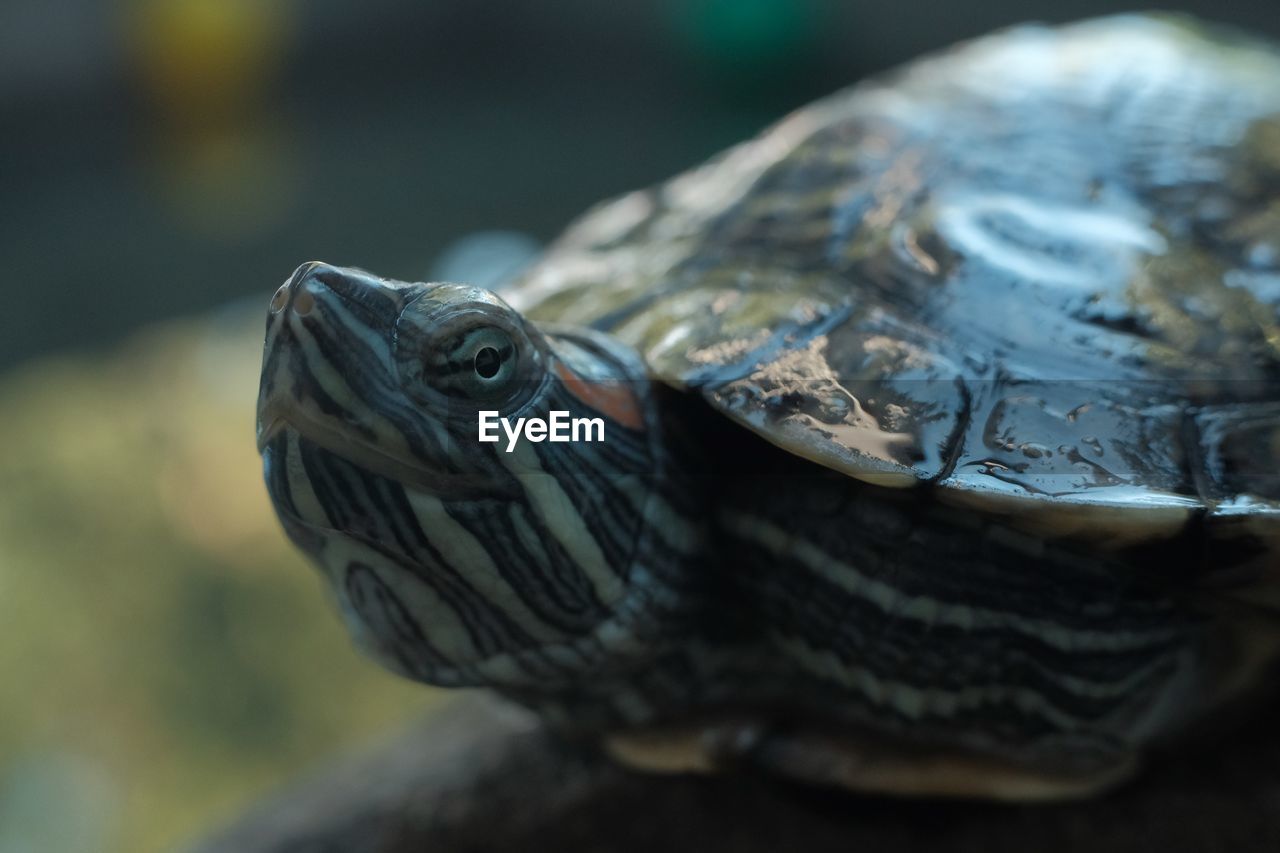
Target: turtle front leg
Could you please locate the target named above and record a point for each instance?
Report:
(842, 760)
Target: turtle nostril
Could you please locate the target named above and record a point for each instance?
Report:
(298, 294)
(305, 300)
(280, 299)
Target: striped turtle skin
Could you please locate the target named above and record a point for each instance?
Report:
(941, 427)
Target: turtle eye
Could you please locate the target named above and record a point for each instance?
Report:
(456, 346)
(485, 363)
(488, 362)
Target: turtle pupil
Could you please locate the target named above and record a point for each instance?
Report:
(487, 362)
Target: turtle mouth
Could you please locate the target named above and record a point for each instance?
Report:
(277, 415)
(269, 426)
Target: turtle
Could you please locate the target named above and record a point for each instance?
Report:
(930, 442)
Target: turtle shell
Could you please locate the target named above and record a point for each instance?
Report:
(1040, 271)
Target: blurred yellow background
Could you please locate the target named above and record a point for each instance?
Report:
(166, 652)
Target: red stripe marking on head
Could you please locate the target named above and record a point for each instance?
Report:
(611, 398)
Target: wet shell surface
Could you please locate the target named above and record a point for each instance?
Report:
(1040, 271)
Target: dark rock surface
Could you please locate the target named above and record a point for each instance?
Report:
(478, 776)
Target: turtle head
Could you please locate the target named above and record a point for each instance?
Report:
(492, 503)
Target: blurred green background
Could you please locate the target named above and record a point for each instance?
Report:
(165, 658)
